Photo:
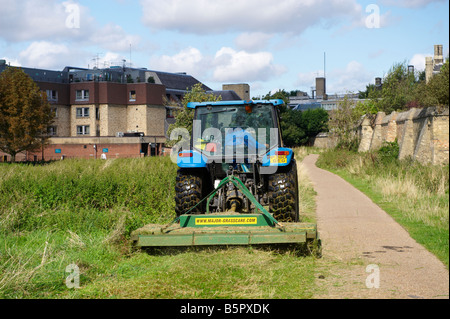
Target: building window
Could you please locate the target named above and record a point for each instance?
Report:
(52, 95)
(132, 96)
(169, 113)
(82, 95)
(83, 130)
(54, 111)
(82, 112)
(52, 131)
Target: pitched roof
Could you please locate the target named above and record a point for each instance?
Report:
(226, 95)
(178, 81)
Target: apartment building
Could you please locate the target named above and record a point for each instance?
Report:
(114, 112)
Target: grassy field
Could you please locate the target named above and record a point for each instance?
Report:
(81, 212)
(415, 195)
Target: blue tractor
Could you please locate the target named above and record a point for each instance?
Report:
(240, 140)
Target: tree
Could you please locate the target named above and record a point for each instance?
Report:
(437, 90)
(343, 122)
(282, 95)
(368, 107)
(25, 113)
(292, 131)
(299, 127)
(185, 116)
(398, 89)
(370, 88)
(314, 122)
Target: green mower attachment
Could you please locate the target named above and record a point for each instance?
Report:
(226, 229)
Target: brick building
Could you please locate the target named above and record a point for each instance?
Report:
(117, 111)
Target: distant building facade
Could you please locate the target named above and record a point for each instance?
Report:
(242, 90)
(320, 99)
(116, 111)
(433, 65)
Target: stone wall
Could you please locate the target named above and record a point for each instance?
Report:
(422, 134)
(325, 140)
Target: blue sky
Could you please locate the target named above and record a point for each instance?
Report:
(268, 44)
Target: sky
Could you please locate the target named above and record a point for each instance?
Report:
(270, 45)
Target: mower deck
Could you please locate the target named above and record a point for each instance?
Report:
(223, 230)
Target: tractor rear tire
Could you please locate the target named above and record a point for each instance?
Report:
(283, 194)
(188, 192)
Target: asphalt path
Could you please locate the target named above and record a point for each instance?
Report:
(367, 254)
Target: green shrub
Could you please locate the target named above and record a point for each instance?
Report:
(389, 151)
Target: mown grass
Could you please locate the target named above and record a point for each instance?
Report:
(415, 195)
(82, 212)
(307, 194)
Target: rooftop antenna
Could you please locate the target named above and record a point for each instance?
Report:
(324, 64)
(96, 59)
(130, 56)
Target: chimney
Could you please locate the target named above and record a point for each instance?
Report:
(378, 83)
(438, 54)
(321, 88)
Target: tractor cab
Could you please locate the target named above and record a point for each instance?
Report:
(238, 129)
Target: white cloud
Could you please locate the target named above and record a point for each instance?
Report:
(353, 78)
(409, 3)
(11, 61)
(56, 56)
(55, 21)
(365, 19)
(241, 66)
(418, 60)
(41, 20)
(46, 55)
(113, 37)
(267, 16)
(252, 41)
(227, 65)
(307, 80)
(189, 60)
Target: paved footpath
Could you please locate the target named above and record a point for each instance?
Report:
(366, 244)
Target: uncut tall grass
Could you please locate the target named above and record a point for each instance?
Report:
(79, 195)
(75, 212)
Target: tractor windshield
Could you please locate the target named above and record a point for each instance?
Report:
(238, 129)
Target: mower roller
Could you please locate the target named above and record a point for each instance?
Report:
(236, 185)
